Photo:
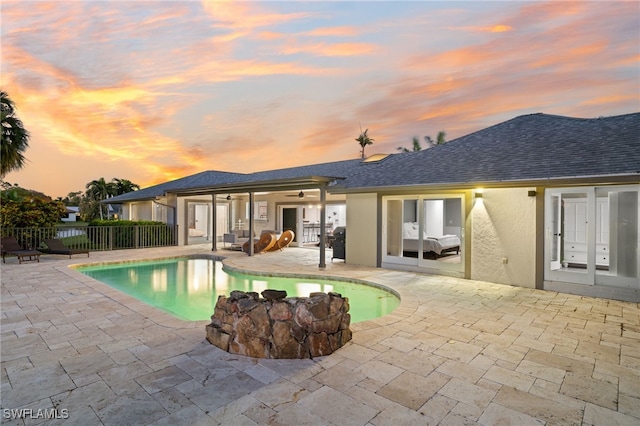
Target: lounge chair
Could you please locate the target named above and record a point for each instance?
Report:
(11, 246)
(55, 246)
(264, 243)
(284, 240)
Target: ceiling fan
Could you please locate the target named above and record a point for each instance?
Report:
(301, 195)
(227, 197)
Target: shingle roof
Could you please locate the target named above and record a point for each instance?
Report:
(527, 148)
(212, 178)
(209, 177)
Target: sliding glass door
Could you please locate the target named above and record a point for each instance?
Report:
(424, 232)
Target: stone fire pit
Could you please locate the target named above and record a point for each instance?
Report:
(279, 327)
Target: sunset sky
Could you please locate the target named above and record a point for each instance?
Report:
(157, 90)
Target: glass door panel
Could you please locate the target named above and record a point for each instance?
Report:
(567, 229)
(555, 232)
(441, 231)
(617, 219)
(401, 225)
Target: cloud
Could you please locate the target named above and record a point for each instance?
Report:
(331, 49)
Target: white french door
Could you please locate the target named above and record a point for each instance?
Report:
(592, 236)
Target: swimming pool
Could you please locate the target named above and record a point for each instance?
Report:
(188, 288)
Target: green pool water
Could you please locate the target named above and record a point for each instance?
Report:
(189, 288)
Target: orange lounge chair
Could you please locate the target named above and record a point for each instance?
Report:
(11, 246)
(55, 246)
(264, 243)
(284, 240)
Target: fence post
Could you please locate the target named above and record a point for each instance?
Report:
(110, 237)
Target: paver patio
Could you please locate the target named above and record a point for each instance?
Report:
(454, 352)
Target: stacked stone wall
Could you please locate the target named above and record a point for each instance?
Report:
(279, 327)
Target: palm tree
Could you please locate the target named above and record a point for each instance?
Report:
(15, 139)
(416, 146)
(364, 140)
(440, 139)
(98, 190)
(122, 186)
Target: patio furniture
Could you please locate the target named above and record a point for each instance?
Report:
(55, 246)
(264, 243)
(284, 240)
(11, 246)
(236, 238)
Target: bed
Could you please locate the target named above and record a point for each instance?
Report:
(436, 244)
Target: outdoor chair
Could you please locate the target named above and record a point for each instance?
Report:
(266, 241)
(284, 240)
(55, 246)
(11, 246)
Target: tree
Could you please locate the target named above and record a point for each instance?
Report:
(31, 212)
(98, 190)
(72, 198)
(416, 146)
(440, 139)
(15, 139)
(123, 186)
(364, 140)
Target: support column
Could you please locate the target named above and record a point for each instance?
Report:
(214, 219)
(323, 225)
(251, 197)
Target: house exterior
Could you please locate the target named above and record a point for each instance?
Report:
(539, 201)
(72, 214)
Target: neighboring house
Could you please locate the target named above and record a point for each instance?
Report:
(539, 201)
(72, 214)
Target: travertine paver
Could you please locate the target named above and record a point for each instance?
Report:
(454, 352)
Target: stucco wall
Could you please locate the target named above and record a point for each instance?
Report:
(504, 227)
(362, 229)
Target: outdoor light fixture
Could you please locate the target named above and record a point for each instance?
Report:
(478, 195)
(229, 197)
(531, 193)
(301, 194)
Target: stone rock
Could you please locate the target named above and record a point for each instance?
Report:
(217, 338)
(279, 311)
(237, 295)
(284, 345)
(319, 344)
(336, 304)
(246, 305)
(303, 317)
(318, 304)
(274, 294)
(329, 325)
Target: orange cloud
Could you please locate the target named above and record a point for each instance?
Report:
(498, 28)
(335, 49)
(332, 31)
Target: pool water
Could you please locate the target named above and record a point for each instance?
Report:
(189, 288)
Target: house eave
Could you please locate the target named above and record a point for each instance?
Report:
(613, 179)
(287, 184)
